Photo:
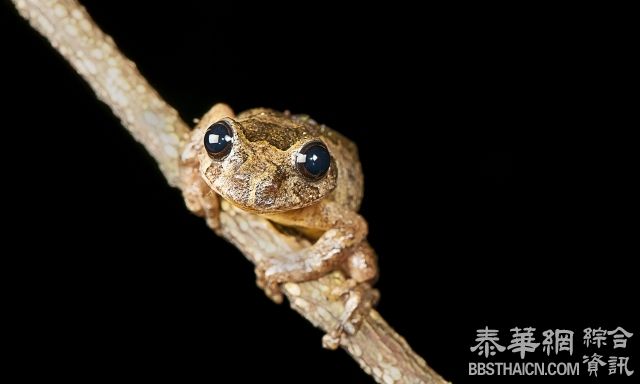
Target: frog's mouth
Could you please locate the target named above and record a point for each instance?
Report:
(274, 192)
(266, 205)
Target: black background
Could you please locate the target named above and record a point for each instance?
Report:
(475, 222)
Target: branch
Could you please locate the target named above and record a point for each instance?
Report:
(379, 350)
(114, 78)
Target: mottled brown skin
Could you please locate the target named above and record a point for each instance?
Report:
(259, 175)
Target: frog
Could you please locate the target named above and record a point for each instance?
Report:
(301, 176)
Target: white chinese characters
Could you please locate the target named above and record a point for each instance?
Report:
(524, 342)
(487, 342)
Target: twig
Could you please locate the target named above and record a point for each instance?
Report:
(114, 78)
(379, 350)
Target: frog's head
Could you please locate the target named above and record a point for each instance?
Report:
(266, 161)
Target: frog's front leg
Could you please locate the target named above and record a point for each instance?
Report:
(340, 228)
(198, 196)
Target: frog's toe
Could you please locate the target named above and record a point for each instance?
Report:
(268, 284)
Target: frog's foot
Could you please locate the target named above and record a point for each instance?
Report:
(270, 274)
(359, 299)
(270, 286)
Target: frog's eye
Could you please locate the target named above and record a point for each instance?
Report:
(313, 160)
(217, 140)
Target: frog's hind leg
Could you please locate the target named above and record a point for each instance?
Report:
(358, 294)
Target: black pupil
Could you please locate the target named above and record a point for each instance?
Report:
(317, 160)
(217, 140)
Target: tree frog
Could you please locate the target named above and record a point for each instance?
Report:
(302, 176)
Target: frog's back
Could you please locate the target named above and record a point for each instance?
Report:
(284, 131)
